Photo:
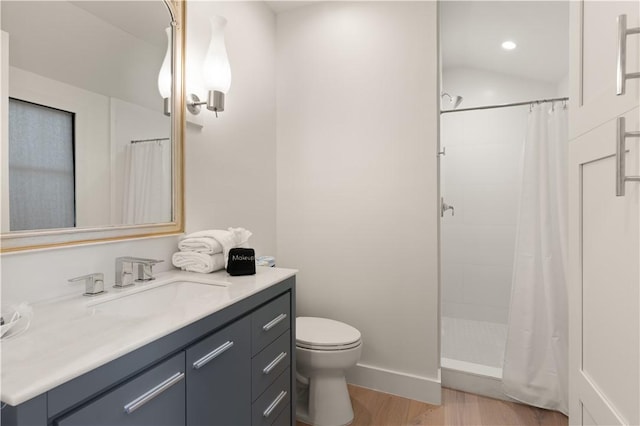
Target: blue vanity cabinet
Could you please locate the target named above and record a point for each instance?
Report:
(233, 367)
(219, 378)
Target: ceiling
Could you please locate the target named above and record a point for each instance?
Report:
(126, 16)
(472, 32)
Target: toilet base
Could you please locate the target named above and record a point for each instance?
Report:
(325, 401)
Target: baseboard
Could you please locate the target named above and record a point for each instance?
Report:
(424, 389)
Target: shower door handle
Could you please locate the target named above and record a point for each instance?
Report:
(621, 75)
(621, 149)
(444, 207)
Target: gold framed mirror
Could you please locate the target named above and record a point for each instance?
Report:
(89, 151)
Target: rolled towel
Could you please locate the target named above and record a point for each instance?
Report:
(198, 262)
(209, 240)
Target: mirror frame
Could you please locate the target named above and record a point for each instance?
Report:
(52, 238)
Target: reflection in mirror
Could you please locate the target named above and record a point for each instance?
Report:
(88, 144)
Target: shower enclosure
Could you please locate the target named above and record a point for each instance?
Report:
(481, 171)
(487, 90)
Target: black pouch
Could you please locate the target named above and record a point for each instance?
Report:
(242, 261)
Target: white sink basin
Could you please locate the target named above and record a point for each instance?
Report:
(174, 296)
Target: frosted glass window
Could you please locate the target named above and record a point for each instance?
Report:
(41, 167)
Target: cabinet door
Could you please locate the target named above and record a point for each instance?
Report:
(219, 377)
(604, 235)
(594, 40)
(154, 398)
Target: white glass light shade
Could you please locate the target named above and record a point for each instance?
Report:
(164, 76)
(216, 68)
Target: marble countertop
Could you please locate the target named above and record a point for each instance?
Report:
(71, 336)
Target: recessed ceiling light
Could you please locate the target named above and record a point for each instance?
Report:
(509, 45)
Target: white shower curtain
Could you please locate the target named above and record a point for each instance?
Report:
(147, 183)
(536, 357)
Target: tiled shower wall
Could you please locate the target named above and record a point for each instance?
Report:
(480, 177)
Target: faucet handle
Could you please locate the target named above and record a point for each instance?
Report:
(145, 269)
(94, 283)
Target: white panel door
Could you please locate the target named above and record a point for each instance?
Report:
(605, 280)
(594, 48)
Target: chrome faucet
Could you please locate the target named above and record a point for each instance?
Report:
(94, 283)
(134, 269)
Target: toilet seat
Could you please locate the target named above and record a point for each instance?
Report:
(324, 334)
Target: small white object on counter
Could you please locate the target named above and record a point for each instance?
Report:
(71, 336)
(266, 261)
(18, 322)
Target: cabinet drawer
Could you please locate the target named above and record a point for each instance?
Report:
(269, 364)
(219, 377)
(271, 403)
(284, 419)
(269, 322)
(154, 398)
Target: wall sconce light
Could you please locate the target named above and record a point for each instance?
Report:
(164, 76)
(216, 71)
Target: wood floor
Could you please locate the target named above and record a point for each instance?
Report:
(373, 408)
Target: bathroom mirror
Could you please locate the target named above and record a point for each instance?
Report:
(88, 151)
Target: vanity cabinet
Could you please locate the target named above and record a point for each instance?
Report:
(233, 367)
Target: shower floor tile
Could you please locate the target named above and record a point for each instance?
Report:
(478, 342)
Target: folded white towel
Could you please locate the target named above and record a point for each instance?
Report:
(198, 262)
(206, 245)
(208, 241)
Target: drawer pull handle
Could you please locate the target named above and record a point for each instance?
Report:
(274, 404)
(622, 75)
(275, 362)
(268, 326)
(152, 393)
(213, 354)
(621, 174)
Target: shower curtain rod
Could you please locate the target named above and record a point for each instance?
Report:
(150, 140)
(539, 101)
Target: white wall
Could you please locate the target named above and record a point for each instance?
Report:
(230, 162)
(562, 89)
(357, 181)
(481, 178)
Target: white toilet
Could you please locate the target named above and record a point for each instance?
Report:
(325, 349)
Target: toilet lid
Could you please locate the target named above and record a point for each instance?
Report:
(312, 332)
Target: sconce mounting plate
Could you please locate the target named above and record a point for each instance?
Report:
(193, 104)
